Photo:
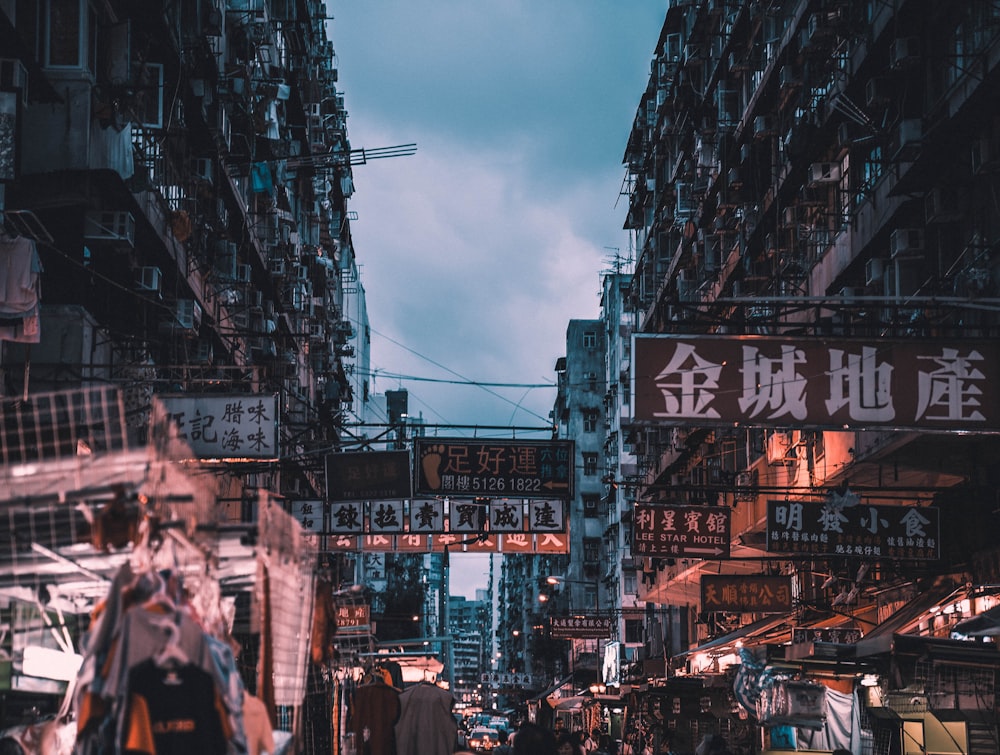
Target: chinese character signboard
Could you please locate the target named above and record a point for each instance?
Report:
(831, 528)
(816, 382)
(580, 627)
(745, 594)
(503, 468)
(308, 513)
(219, 426)
(368, 476)
(681, 531)
(836, 635)
(353, 616)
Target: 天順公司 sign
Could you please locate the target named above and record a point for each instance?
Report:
(843, 526)
(676, 531)
(730, 593)
(493, 468)
(816, 382)
(226, 426)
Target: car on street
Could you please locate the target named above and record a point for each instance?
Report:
(483, 739)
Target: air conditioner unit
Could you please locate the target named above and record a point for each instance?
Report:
(201, 168)
(788, 77)
(779, 448)
(114, 227)
(243, 273)
(256, 300)
(847, 294)
(203, 352)
(301, 273)
(276, 266)
(316, 332)
(824, 173)
(985, 154)
(187, 314)
(150, 279)
(904, 51)
(942, 205)
(907, 139)
(873, 271)
(14, 75)
(906, 242)
(878, 91)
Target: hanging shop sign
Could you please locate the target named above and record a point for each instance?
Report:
(351, 616)
(495, 468)
(226, 426)
(453, 516)
(510, 543)
(816, 382)
(758, 593)
(677, 531)
(368, 476)
(843, 526)
(834, 635)
(579, 627)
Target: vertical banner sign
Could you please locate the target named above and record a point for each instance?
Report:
(502, 468)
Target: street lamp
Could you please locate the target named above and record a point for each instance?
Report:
(556, 580)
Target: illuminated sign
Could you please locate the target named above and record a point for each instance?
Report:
(919, 383)
(843, 526)
(493, 468)
(730, 593)
(836, 635)
(681, 531)
(579, 627)
(353, 616)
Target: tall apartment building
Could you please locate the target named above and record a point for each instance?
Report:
(811, 181)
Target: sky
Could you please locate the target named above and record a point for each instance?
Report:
(477, 250)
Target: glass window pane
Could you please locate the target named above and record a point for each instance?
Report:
(64, 33)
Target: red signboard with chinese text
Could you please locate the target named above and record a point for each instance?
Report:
(777, 381)
(675, 531)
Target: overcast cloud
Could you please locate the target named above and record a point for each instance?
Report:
(478, 250)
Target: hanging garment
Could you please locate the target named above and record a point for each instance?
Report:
(173, 711)
(20, 267)
(257, 722)
(426, 725)
(374, 711)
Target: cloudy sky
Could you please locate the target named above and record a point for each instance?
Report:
(478, 250)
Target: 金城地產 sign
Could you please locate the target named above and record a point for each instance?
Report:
(493, 468)
(768, 381)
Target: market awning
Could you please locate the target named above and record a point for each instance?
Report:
(746, 632)
(985, 624)
(880, 638)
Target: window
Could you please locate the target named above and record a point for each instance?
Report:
(590, 339)
(633, 630)
(590, 420)
(591, 550)
(590, 464)
(591, 505)
(68, 29)
(631, 583)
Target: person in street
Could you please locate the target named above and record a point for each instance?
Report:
(533, 739)
(567, 744)
(713, 744)
(590, 744)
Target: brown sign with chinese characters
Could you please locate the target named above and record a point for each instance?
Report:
(579, 627)
(745, 594)
(368, 476)
(353, 616)
(843, 526)
(494, 468)
(816, 382)
(676, 531)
